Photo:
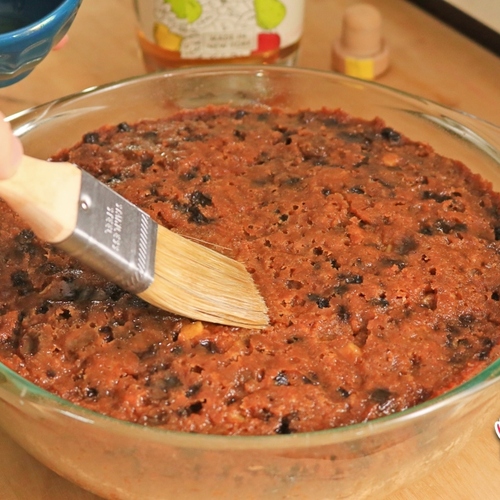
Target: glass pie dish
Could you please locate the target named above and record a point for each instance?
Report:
(121, 460)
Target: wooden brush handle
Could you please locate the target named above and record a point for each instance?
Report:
(46, 195)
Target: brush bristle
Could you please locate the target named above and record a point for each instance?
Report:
(194, 281)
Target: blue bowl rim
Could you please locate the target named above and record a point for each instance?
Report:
(57, 15)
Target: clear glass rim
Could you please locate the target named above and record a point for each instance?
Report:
(258, 70)
(38, 395)
(485, 378)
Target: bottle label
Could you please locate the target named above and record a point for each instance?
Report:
(219, 29)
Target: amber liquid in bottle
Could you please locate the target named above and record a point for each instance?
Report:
(157, 58)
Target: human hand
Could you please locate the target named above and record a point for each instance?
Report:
(11, 150)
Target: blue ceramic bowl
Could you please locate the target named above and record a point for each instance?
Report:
(28, 31)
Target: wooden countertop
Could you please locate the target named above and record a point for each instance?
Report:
(427, 58)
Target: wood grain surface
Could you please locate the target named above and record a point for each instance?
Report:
(427, 58)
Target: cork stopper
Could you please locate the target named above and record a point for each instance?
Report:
(361, 50)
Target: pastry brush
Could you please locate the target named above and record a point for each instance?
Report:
(69, 208)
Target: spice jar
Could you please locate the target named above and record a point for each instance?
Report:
(178, 33)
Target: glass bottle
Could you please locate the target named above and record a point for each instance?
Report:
(178, 33)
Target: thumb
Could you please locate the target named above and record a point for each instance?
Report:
(11, 150)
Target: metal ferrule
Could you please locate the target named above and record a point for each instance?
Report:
(113, 236)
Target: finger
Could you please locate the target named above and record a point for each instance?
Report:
(11, 150)
(61, 43)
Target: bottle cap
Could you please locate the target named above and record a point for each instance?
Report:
(361, 51)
